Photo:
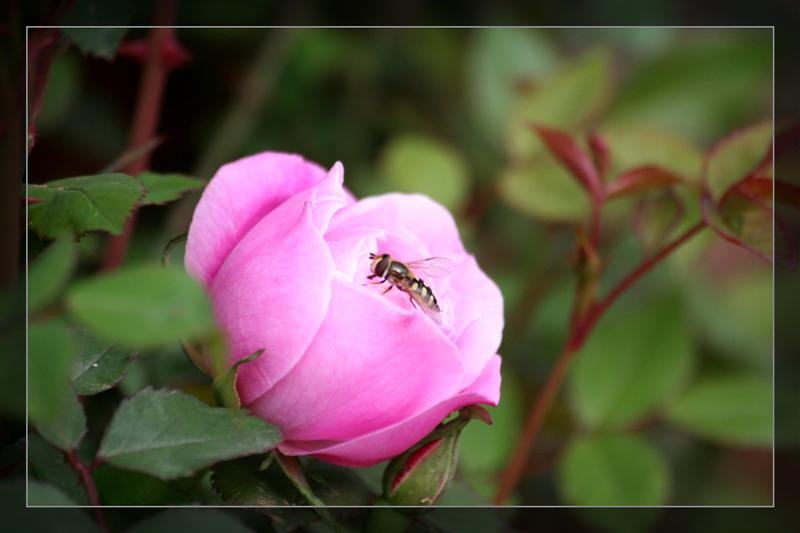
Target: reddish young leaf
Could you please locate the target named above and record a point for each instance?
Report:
(742, 220)
(736, 157)
(566, 150)
(639, 179)
(655, 218)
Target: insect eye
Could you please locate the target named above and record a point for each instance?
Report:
(382, 265)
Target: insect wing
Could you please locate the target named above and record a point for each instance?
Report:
(432, 267)
(427, 309)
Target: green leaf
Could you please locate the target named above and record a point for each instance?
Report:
(243, 482)
(47, 495)
(631, 364)
(294, 471)
(168, 434)
(73, 206)
(49, 273)
(53, 407)
(225, 384)
(67, 430)
(17, 518)
(99, 366)
(194, 520)
(745, 217)
(727, 409)
(124, 487)
(142, 307)
(164, 188)
(656, 218)
(544, 189)
(700, 88)
(500, 60)
(736, 156)
(613, 470)
(567, 99)
(421, 164)
(636, 145)
(744, 300)
(100, 42)
(47, 464)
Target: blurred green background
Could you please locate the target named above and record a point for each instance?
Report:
(670, 401)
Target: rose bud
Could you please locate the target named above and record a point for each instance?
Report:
(352, 374)
(421, 475)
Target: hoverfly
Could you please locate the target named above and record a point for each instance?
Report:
(403, 276)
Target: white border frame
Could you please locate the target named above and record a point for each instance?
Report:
(27, 418)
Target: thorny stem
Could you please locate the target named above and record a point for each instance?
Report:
(578, 333)
(148, 110)
(85, 473)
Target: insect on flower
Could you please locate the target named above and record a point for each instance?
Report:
(403, 276)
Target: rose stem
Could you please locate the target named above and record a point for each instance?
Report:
(85, 473)
(578, 334)
(145, 121)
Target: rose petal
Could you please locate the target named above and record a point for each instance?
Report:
(429, 222)
(277, 300)
(393, 440)
(402, 364)
(240, 194)
(409, 216)
(478, 319)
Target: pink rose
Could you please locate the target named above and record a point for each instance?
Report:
(351, 375)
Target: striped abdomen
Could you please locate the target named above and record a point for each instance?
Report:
(421, 293)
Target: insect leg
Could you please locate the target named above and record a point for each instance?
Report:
(390, 288)
(410, 299)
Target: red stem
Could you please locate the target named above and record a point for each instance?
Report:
(594, 314)
(87, 480)
(148, 110)
(594, 230)
(578, 334)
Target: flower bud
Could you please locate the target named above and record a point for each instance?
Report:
(425, 473)
(421, 475)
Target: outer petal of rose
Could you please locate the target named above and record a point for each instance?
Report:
(273, 290)
(430, 222)
(401, 364)
(479, 297)
(240, 194)
(391, 441)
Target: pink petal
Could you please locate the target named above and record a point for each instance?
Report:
(414, 216)
(273, 290)
(478, 318)
(400, 365)
(240, 194)
(393, 440)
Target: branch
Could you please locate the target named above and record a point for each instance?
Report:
(601, 307)
(87, 480)
(578, 333)
(148, 111)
